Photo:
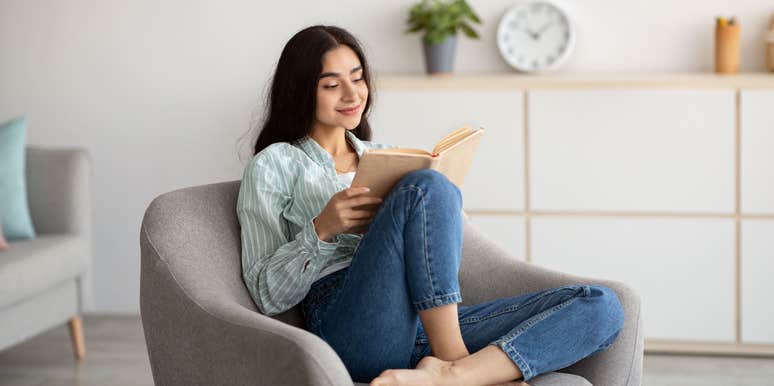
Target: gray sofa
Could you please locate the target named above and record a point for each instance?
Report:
(42, 280)
(202, 328)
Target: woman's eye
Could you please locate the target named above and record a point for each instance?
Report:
(335, 85)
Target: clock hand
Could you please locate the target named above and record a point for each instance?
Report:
(531, 34)
(543, 28)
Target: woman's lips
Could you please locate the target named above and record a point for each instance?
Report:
(350, 111)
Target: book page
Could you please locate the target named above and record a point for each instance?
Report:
(454, 141)
(455, 161)
(451, 138)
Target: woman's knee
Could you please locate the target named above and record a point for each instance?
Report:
(608, 308)
(431, 181)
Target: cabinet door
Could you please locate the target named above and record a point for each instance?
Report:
(757, 286)
(683, 269)
(757, 157)
(507, 231)
(632, 150)
(418, 119)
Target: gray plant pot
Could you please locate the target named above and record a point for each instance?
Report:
(439, 58)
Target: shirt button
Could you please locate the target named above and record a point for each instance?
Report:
(437, 302)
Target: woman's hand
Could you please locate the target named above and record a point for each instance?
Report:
(340, 215)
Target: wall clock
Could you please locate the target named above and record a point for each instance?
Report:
(536, 35)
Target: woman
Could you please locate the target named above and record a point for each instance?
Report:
(377, 279)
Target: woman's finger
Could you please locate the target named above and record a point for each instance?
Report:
(357, 223)
(362, 200)
(360, 214)
(354, 192)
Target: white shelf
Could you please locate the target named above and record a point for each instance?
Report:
(510, 81)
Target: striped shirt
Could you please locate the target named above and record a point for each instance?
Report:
(283, 189)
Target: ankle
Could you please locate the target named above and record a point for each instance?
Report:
(451, 355)
(456, 374)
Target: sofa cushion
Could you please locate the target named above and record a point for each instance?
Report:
(31, 266)
(14, 211)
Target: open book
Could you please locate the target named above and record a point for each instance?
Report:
(381, 169)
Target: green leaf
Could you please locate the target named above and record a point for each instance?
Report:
(440, 19)
(415, 28)
(468, 30)
(470, 13)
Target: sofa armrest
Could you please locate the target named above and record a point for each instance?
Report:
(59, 191)
(488, 272)
(222, 342)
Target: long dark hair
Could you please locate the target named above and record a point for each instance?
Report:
(292, 101)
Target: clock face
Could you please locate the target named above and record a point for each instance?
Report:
(535, 35)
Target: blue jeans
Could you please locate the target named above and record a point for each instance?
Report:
(408, 260)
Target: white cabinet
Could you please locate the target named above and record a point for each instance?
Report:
(757, 136)
(630, 180)
(632, 150)
(757, 285)
(683, 269)
(419, 119)
(507, 231)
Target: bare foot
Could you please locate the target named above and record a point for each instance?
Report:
(430, 371)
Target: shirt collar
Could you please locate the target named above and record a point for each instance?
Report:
(322, 157)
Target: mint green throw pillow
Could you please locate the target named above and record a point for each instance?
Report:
(14, 212)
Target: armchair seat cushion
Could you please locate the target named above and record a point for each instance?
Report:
(31, 266)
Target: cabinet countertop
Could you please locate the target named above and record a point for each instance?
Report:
(578, 80)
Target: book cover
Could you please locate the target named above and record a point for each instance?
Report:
(381, 169)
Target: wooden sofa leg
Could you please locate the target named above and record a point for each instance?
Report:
(76, 335)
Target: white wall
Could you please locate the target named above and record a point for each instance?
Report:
(160, 91)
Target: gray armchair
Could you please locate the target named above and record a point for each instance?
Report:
(42, 280)
(202, 328)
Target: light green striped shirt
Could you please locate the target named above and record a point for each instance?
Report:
(283, 189)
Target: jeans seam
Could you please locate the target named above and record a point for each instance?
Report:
(424, 233)
(512, 308)
(502, 342)
(424, 240)
(475, 319)
(526, 371)
(539, 318)
(452, 297)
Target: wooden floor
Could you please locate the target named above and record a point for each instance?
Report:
(116, 356)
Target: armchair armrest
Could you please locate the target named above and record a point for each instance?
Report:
(59, 191)
(216, 340)
(488, 272)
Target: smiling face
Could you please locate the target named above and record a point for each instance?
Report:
(342, 92)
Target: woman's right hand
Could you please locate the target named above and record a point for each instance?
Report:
(340, 215)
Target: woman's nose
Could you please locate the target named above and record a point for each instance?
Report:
(350, 93)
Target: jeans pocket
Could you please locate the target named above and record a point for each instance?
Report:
(316, 301)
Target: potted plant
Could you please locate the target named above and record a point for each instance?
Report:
(440, 20)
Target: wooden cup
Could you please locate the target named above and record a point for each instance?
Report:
(770, 52)
(727, 49)
(770, 45)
